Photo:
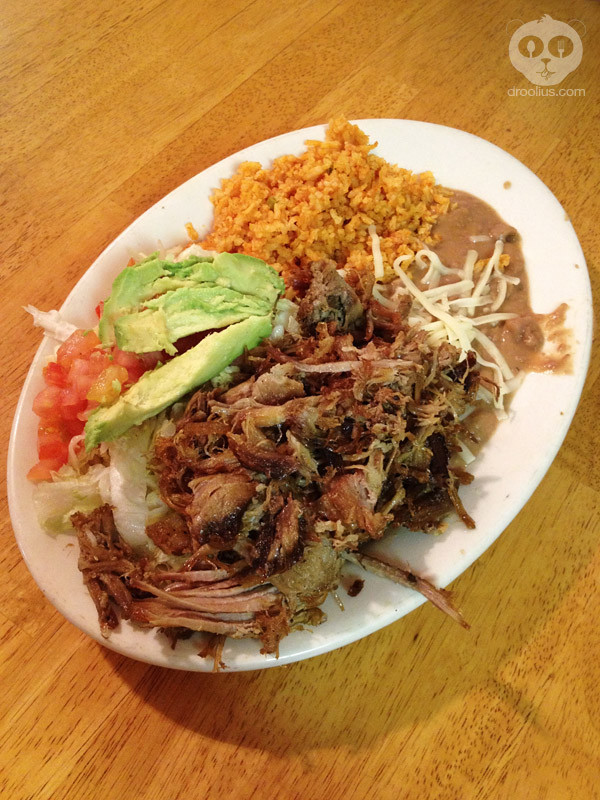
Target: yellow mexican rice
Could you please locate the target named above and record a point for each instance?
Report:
(321, 203)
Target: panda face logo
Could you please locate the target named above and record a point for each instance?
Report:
(545, 50)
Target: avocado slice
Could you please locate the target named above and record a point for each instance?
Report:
(179, 313)
(166, 384)
(155, 302)
(132, 287)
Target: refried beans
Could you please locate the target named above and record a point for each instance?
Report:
(472, 224)
(530, 342)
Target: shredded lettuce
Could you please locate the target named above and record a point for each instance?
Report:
(56, 500)
(133, 490)
(225, 377)
(284, 319)
(126, 484)
(52, 322)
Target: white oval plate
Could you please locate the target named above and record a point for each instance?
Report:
(507, 472)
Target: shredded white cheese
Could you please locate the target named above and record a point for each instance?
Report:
(448, 288)
(456, 330)
(486, 273)
(476, 239)
(455, 320)
(435, 267)
(376, 249)
(381, 298)
(469, 264)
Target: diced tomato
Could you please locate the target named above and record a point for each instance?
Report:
(98, 361)
(99, 309)
(74, 426)
(82, 384)
(71, 397)
(107, 386)
(78, 366)
(83, 372)
(53, 443)
(55, 375)
(84, 375)
(42, 471)
(46, 404)
(133, 364)
(78, 345)
(72, 405)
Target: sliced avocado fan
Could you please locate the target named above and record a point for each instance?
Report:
(156, 302)
(163, 386)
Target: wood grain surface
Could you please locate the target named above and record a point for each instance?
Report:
(104, 108)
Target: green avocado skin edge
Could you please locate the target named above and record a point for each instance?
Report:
(157, 390)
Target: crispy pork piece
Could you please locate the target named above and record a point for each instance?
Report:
(329, 299)
(171, 534)
(104, 560)
(216, 508)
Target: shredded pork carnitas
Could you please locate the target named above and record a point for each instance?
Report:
(327, 438)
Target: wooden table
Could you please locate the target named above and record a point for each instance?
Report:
(107, 106)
